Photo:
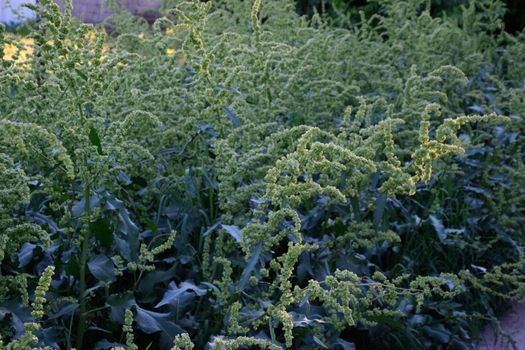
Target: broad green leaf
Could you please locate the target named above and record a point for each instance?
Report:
(234, 232)
(103, 231)
(174, 294)
(438, 226)
(250, 267)
(102, 268)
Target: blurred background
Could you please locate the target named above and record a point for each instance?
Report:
(95, 11)
(514, 18)
(91, 11)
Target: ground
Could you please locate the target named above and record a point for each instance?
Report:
(513, 324)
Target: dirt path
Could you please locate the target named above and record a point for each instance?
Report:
(512, 323)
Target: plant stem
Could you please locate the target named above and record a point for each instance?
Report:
(83, 262)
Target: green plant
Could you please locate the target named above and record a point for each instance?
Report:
(238, 176)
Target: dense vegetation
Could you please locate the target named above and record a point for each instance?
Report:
(237, 176)
(514, 17)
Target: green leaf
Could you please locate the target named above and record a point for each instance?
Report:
(319, 342)
(118, 304)
(81, 74)
(102, 268)
(95, 139)
(345, 345)
(152, 322)
(379, 210)
(103, 231)
(146, 286)
(234, 232)
(152, 226)
(73, 267)
(233, 117)
(64, 311)
(250, 267)
(105, 344)
(176, 295)
(438, 226)
(79, 208)
(437, 332)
